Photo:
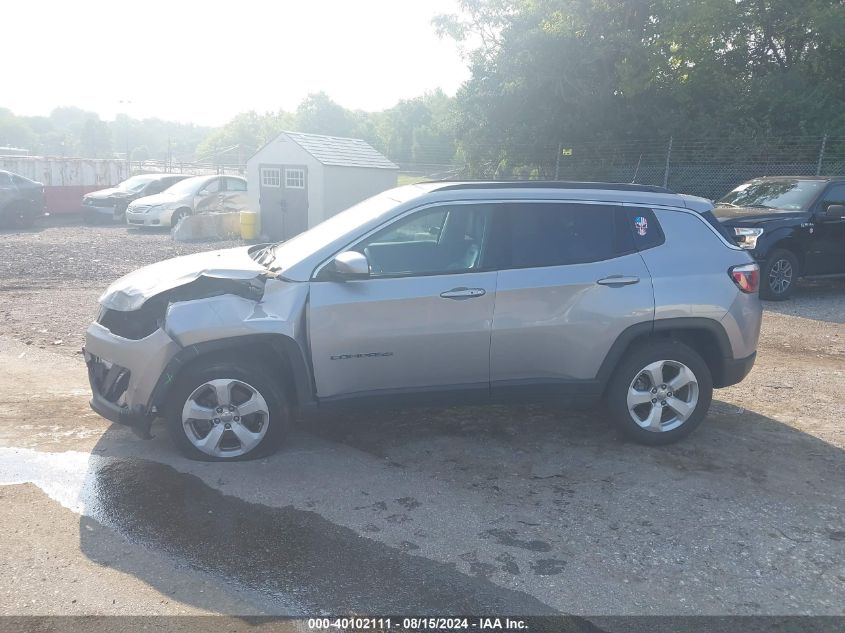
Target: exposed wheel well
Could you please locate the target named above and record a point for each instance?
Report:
(793, 247)
(276, 352)
(18, 206)
(712, 348)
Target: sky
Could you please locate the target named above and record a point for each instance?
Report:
(204, 62)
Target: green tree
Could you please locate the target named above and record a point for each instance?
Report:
(546, 71)
(95, 138)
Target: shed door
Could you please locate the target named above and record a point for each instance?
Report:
(283, 197)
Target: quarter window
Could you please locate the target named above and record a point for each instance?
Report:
(532, 235)
(271, 177)
(647, 233)
(294, 178)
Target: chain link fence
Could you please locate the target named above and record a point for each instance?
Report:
(705, 167)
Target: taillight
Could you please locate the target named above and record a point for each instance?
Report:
(746, 277)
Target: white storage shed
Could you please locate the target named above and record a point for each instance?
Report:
(298, 180)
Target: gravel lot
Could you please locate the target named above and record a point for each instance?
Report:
(531, 508)
(50, 278)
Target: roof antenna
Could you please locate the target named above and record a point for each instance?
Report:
(637, 170)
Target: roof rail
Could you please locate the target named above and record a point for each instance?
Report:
(545, 184)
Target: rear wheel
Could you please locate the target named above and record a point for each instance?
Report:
(227, 412)
(660, 393)
(780, 272)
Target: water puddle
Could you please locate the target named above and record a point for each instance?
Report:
(281, 551)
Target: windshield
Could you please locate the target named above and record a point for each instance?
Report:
(135, 184)
(189, 185)
(307, 243)
(787, 195)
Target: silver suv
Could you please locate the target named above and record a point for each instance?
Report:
(433, 292)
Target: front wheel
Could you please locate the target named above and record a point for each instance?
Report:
(227, 412)
(660, 393)
(779, 274)
(177, 217)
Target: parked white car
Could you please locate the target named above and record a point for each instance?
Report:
(200, 194)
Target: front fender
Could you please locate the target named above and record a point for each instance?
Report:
(280, 311)
(792, 237)
(276, 324)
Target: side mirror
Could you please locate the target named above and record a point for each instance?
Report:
(351, 265)
(835, 212)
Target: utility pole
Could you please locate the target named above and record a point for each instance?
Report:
(666, 170)
(557, 161)
(821, 155)
(126, 104)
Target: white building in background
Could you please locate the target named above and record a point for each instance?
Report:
(298, 180)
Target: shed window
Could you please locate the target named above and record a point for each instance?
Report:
(295, 178)
(271, 177)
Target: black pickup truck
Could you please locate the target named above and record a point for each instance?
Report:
(793, 225)
(21, 200)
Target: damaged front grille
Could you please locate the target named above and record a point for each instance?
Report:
(136, 324)
(108, 379)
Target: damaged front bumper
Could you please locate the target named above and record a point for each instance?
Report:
(123, 374)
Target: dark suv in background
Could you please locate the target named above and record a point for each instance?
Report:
(21, 200)
(110, 204)
(794, 226)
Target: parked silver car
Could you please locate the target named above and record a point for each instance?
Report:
(110, 204)
(433, 292)
(200, 194)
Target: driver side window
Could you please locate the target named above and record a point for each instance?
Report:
(834, 195)
(441, 240)
(212, 187)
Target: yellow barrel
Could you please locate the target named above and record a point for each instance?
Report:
(249, 225)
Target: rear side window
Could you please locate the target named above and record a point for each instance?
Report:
(644, 228)
(533, 235)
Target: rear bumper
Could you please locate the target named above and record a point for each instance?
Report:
(734, 370)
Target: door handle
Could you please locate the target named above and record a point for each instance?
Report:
(617, 281)
(463, 293)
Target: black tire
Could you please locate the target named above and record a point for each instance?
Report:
(252, 374)
(631, 369)
(778, 265)
(18, 216)
(178, 214)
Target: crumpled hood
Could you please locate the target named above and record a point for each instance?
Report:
(112, 192)
(131, 291)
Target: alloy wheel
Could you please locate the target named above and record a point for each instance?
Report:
(662, 396)
(225, 418)
(780, 276)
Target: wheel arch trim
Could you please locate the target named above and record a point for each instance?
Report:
(669, 327)
(282, 346)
